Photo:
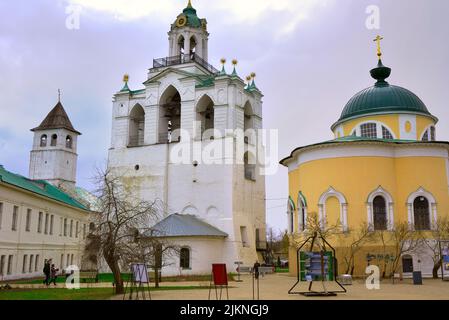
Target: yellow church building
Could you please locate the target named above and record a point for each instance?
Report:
(385, 167)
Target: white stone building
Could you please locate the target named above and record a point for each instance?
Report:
(184, 92)
(45, 216)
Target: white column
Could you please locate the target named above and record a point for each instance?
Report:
(410, 215)
(321, 216)
(435, 216)
(344, 209)
(391, 216)
(370, 216)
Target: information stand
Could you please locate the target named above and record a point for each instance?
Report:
(139, 284)
(219, 280)
(316, 265)
(444, 254)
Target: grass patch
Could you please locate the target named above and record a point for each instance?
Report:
(282, 270)
(81, 294)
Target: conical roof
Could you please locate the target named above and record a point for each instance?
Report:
(56, 119)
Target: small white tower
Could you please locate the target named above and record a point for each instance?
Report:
(53, 157)
(188, 35)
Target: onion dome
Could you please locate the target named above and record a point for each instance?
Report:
(189, 18)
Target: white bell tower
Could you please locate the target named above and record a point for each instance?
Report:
(53, 157)
(188, 35)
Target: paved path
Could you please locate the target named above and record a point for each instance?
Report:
(275, 287)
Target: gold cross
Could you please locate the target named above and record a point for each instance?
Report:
(379, 51)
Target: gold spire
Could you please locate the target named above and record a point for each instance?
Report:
(59, 95)
(189, 5)
(126, 78)
(379, 51)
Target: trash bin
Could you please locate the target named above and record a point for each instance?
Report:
(417, 277)
(346, 279)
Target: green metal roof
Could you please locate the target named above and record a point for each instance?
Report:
(383, 98)
(39, 187)
(355, 139)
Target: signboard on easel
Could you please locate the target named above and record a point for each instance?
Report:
(219, 280)
(313, 263)
(140, 273)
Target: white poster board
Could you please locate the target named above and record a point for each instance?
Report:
(140, 273)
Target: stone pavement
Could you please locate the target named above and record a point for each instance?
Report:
(275, 287)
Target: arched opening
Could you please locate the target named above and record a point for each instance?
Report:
(69, 142)
(421, 213)
(332, 208)
(137, 126)
(205, 117)
(248, 123)
(184, 258)
(368, 130)
(250, 166)
(44, 140)
(429, 134)
(181, 42)
(54, 140)
(407, 264)
(380, 213)
(386, 134)
(290, 213)
(170, 116)
(192, 47)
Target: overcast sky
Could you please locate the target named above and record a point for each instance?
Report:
(310, 56)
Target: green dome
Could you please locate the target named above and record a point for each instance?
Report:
(383, 98)
(192, 19)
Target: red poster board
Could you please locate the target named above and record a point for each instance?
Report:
(219, 274)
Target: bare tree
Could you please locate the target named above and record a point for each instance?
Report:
(432, 243)
(405, 240)
(122, 217)
(318, 227)
(357, 239)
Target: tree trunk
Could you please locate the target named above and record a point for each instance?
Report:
(113, 265)
(436, 267)
(156, 277)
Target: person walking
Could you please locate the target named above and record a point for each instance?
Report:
(47, 271)
(53, 274)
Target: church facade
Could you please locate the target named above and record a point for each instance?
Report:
(385, 167)
(164, 147)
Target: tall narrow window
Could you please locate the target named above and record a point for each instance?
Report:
(244, 236)
(10, 258)
(62, 260)
(61, 226)
(52, 218)
(71, 259)
(2, 265)
(84, 231)
(39, 222)
(28, 221)
(71, 228)
(15, 214)
(432, 134)
(368, 130)
(30, 267)
(137, 126)
(249, 166)
(65, 227)
(380, 213)
(24, 264)
(46, 223)
(44, 140)
(68, 142)
(76, 229)
(36, 263)
(54, 140)
(421, 211)
(1, 214)
(185, 258)
(68, 260)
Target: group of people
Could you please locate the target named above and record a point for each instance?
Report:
(50, 272)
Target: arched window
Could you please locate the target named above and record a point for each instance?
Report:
(429, 134)
(184, 259)
(386, 134)
(137, 126)
(380, 213)
(44, 140)
(248, 123)
(192, 46)
(54, 140)
(290, 213)
(334, 201)
(421, 212)
(205, 117)
(302, 212)
(68, 142)
(170, 116)
(368, 130)
(181, 45)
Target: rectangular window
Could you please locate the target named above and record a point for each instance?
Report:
(1, 214)
(39, 222)
(62, 261)
(244, 236)
(68, 260)
(52, 218)
(71, 259)
(65, 227)
(36, 263)
(2, 265)
(76, 229)
(30, 268)
(84, 231)
(10, 258)
(71, 228)
(368, 130)
(46, 224)
(24, 265)
(28, 221)
(15, 213)
(61, 226)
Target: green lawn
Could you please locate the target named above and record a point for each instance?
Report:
(282, 270)
(65, 294)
